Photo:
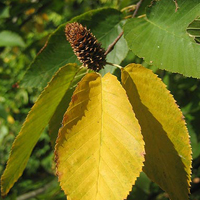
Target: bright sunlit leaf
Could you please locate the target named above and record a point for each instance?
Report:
(99, 150)
(167, 145)
(56, 121)
(34, 124)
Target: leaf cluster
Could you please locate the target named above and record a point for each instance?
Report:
(105, 123)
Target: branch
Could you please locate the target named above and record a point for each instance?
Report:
(34, 193)
(137, 8)
(40, 9)
(112, 45)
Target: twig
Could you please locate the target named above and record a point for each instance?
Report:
(176, 4)
(137, 8)
(112, 45)
(35, 192)
(40, 9)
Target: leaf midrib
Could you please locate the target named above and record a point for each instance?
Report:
(100, 142)
(181, 32)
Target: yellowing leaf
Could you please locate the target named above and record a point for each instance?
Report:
(10, 119)
(168, 152)
(99, 150)
(56, 120)
(34, 124)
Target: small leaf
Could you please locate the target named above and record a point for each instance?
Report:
(34, 124)
(4, 11)
(99, 150)
(167, 145)
(161, 37)
(8, 38)
(104, 23)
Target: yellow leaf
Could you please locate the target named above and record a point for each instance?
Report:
(30, 11)
(56, 120)
(35, 122)
(168, 152)
(10, 119)
(100, 149)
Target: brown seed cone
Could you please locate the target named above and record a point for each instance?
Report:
(85, 46)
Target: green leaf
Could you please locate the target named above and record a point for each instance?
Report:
(4, 11)
(120, 50)
(194, 141)
(8, 38)
(99, 150)
(104, 23)
(168, 152)
(143, 182)
(194, 29)
(143, 6)
(3, 113)
(34, 124)
(161, 37)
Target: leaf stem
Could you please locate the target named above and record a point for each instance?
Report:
(35, 192)
(114, 65)
(112, 45)
(131, 7)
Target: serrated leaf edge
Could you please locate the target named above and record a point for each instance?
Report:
(4, 193)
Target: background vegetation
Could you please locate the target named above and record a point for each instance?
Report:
(24, 27)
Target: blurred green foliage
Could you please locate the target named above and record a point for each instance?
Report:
(29, 23)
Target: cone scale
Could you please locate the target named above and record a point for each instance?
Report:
(85, 46)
